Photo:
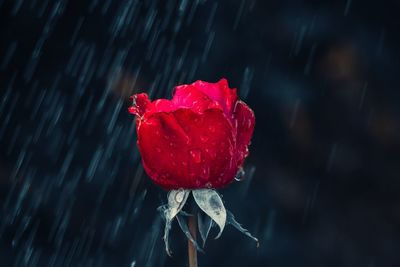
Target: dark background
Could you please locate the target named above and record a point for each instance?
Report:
(322, 182)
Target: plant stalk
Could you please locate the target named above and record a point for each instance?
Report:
(192, 252)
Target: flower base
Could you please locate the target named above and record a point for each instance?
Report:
(210, 203)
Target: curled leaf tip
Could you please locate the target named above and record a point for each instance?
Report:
(231, 220)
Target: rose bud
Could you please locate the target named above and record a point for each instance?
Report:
(198, 139)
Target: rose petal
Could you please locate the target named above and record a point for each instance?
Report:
(219, 92)
(159, 137)
(140, 103)
(245, 126)
(160, 105)
(142, 106)
(188, 96)
(198, 96)
(185, 149)
(212, 138)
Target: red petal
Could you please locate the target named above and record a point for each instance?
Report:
(139, 105)
(188, 96)
(245, 126)
(160, 105)
(185, 149)
(142, 106)
(219, 92)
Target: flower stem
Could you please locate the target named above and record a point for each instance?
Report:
(191, 248)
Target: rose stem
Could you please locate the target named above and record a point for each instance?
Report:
(191, 248)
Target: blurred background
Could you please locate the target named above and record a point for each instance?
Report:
(322, 180)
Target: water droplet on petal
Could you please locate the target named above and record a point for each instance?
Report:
(212, 154)
(196, 155)
(204, 138)
(246, 153)
(249, 122)
(211, 128)
(158, 149)
(162, 177)
(231, 162)
(205, 169)
(208, 185)
(184, 163)
(240, 175)
(179, 196)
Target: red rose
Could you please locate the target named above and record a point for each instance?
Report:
(196, 140)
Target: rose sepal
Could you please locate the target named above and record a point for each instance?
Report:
(212, 213)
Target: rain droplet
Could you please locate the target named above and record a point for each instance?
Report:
(162, 177)
(205, 171)
(211, 128)
(204, 138)
(208, 185)
(212, 154)
(158, 149)
(184, 163)
(240, 175)
(247, 151)
(171, 144)
(249, 123)
(196, 155)
(179, 196)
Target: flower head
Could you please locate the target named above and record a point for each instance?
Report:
(198, 139)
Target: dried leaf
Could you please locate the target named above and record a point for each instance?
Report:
(211, 203)
(231, 220)
(176, 201)
(205, 223)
